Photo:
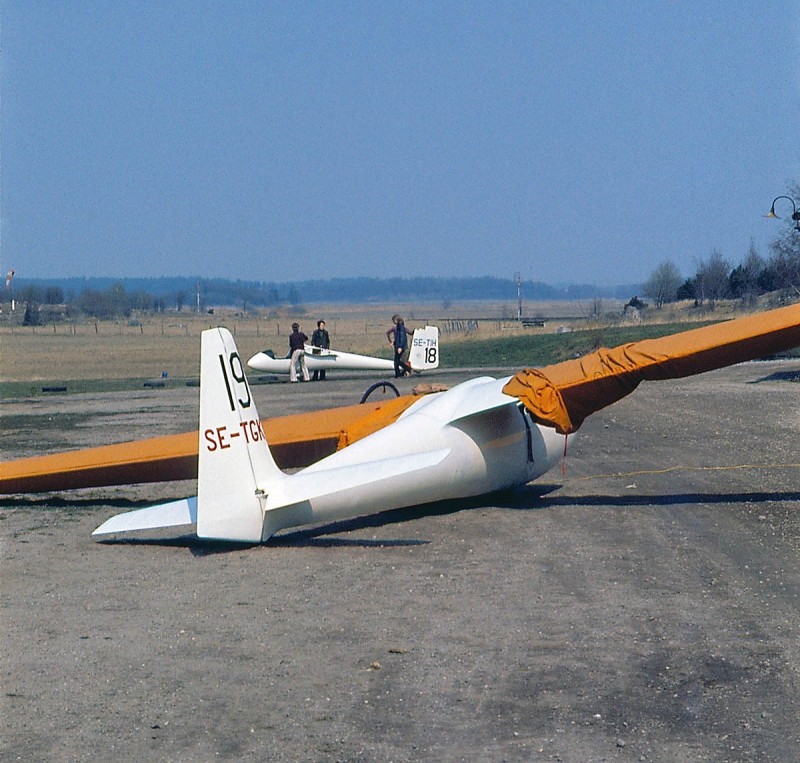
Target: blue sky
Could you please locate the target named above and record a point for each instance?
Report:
(582, 142)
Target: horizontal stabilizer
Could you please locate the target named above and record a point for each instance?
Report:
(172, 514)
(310, 483)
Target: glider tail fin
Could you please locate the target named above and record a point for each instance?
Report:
(424, 353)
(235, 467)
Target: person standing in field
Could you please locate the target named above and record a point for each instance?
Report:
(297, 350)
(398, 338)
(320, 340)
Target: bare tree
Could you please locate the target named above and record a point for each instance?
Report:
(712, 279)
(785, 260)
(662, 286)
(744, 279)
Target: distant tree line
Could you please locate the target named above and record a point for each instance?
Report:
(715, 278)
(46, 304)
(106, 298)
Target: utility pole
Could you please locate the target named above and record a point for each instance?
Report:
(518, 280)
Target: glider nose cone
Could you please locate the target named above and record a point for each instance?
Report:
(259, 361)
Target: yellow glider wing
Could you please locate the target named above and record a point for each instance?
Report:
(564, 394)
(296, 440)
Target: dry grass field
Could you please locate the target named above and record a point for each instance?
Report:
(147, 346)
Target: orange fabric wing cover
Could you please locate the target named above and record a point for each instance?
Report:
(296, 440)
(564, 394)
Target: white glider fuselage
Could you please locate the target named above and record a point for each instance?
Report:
(431, 453)
(321, 360)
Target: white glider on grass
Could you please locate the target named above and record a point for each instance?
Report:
(423, 356)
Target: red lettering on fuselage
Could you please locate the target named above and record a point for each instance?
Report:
(251, 430)
(220, 438)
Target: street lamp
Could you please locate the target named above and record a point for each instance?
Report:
(795, 213)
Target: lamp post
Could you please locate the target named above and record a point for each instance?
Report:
(795, 213)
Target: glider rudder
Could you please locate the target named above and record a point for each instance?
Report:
(424, 354)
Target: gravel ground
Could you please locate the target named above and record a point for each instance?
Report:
(640, 605)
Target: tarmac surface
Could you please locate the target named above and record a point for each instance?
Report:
(639, 605)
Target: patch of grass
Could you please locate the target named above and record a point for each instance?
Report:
(545, 349)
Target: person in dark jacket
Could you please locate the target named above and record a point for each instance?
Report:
(297, 342)
(320, 340)
(398, 338)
